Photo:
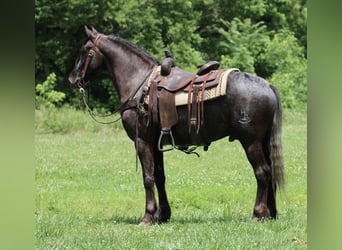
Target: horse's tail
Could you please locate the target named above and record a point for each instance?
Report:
(275, 146)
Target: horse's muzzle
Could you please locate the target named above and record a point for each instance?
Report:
(74, 78)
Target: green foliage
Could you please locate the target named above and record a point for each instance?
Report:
(237, 33)
(285, 59)
(46, 95)
(290, 15)
(275, 56)
(178, 32)
(243, 42)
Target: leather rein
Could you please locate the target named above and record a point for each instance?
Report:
(131, 102)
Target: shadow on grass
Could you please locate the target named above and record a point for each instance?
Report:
(133, 220)
(206, 220)
(128, 220)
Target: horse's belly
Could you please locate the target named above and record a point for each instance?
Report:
(213, 126)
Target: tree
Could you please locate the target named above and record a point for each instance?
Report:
(242, 43)
(240, 34)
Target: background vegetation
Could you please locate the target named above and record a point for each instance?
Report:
(267, 38)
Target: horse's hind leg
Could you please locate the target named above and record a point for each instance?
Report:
(272, 189)
(164, 207)
(263, 175)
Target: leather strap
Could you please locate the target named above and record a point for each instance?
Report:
(190, 97)
(90, 55)
(201, 117)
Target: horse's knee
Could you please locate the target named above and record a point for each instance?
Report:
(148, 182)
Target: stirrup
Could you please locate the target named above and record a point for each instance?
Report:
(162, 133)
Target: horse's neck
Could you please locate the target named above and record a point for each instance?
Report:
(128, 70)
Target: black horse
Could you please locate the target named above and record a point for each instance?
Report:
(249, 112)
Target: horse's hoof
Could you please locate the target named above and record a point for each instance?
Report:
(144, 224)
(261, 218)
(261, 212)
(258, 219)
(147, 220)
(163, 214)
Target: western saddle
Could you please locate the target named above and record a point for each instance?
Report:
(161, 97)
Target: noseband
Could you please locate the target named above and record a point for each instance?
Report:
(90, 55)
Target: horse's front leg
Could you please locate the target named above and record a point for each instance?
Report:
(146, 156)
(164, 211)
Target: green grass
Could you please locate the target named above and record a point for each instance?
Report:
(89, 195)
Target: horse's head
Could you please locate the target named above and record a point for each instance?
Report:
(89, 59)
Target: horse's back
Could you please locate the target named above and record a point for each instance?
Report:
(248, 87)
(246, 110)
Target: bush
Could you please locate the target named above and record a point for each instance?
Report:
(243, 42)
(276, 57)
(289, 65)
(46, 95)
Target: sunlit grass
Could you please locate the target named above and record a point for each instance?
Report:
(89, 195)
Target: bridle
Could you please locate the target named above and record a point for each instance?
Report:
(90, 55)
(80, 84)
(131, 102)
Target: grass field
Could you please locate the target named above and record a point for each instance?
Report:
(89, 195)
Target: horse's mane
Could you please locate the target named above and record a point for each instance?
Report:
(134, 48)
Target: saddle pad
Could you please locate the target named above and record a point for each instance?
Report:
(209, 93)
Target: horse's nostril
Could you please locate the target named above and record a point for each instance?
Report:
(74, 77)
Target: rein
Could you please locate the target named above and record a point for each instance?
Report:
(128, 104)
(90, 55)
(93, 114)
(131, 102)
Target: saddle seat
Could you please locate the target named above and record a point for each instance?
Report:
(178, 79)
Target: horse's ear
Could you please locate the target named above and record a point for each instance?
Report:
(94, 30)
(90, 33)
